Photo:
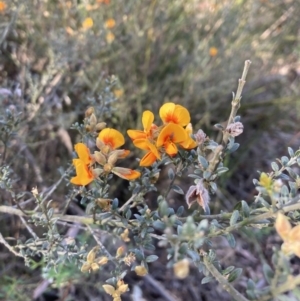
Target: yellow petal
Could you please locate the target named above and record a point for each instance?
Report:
(126, 173)
(109, 289)
(111, 138)
(171, 132)
(135, 134)
(110, 23)
(189, 144)
(283, 226)
(148, 159)
(147, 120)
(83, 153)
(171, 149)
(294, 234)
(84, 176)
(171, 113)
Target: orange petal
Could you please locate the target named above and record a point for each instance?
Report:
(283, 226)
(189, 143)
(126, 173)
(147, 120)
(135, 134)
(182, 114)
(121, 153)
(171, 149)
(112, 138)
(84, 176)
(171, 113)
(148, 159)
(83, 153)
(171, 132)
(145, 144)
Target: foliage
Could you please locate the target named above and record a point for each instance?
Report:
(83, 222)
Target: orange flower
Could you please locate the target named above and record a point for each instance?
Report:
(151, 156)
(189, 143)
(112, 138)
(87, 23)
(172, 113)
(110, 23)
(83, 153)
(3, 6)
(289, 235)
(103, 1)
(147, 120)
(84, 175)
(213, 51)
(169, 136)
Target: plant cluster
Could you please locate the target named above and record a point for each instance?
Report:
(137, 230)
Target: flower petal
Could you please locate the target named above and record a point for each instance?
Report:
(283, 226)
(83, 153)
(112, 138)
(171, 132)
(147, 120)
(126, 173)
(84, 176)
(189, 143)
(177, 114)
(135, 134)
(171, 149)
(148, 159)
(294, 235)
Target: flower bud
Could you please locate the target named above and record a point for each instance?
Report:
(89, 112)
(235, 129)
(182, 268)
(100, 126)
(140, 270)
(120, 251)
(200, 137)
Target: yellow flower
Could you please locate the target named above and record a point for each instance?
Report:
(110, 37)
(151, 156)
(118, 93)
(110, 23)
(87, 23)
(289, 235)
(84, 175)
(126, 173)
(3, 6)
(116, 292)
(149, 127)
(172, 113)
(265, 181)
(213, 51)
(169, 136)
(189, 143)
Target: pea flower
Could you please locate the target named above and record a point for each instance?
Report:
(84, 174)
(198, 193)
(108, 141)
(289, 235)
(169, 136)
(172, 113)
(189, 143)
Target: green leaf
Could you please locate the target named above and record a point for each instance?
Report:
(231, 240)
(159, 225)
(171, 174)
(151, 258)
(177, 189)
(235, 274)
(207, 279)
(234, 217)
(180, 211)
(203, 162)
(268, 272)
(291, 152)
(228, 270)
(274, 166)
(245, 208)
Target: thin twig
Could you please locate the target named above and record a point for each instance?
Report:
(159, 288)
(223, 281)
(8, 246)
